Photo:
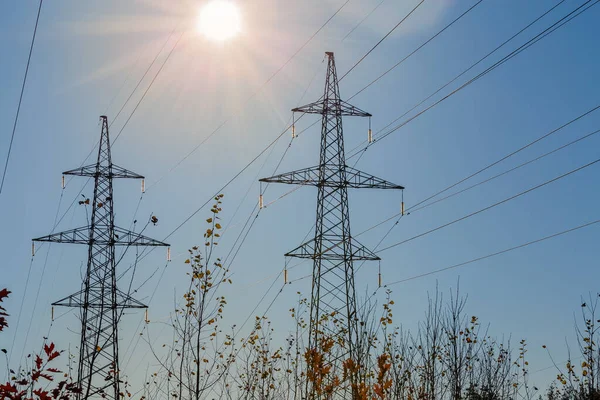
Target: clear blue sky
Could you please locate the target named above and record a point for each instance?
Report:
(89, 56)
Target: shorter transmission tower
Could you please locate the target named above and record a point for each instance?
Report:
(333, 315)
(100, 302)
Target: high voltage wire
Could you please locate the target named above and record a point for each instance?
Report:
(416, 207)
(556, 25)
(146, 73)
(501, 159)
(382, 39)
(496, 253)
(493, 205)
(417, 49)
(148, 88)
(413, 209)
(363, 20)
(509, 170)
(12, 136)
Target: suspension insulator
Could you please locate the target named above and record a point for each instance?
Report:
(260, 201)
(370, 136)
(143, 186)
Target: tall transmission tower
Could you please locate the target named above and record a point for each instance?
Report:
(100, 302)
(333, 314)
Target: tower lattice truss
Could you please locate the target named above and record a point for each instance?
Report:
(100, 302)
(333, 315)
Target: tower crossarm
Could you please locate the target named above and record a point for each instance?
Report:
(331, 173)
(122, 237)
(362, 180)
(123, 300)
(332, 106)
(105, 171)
(334, 251)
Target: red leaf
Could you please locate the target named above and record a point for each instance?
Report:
(42, 394)
(55, 370)
(8, 388)
(47, 377)
(4, 293)
(53, 355)
(49, 348)
(38, 362)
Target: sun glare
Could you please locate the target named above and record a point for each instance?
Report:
(219, 20)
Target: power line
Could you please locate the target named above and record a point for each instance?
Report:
(496, 253)
(501, 159)
(413, 209)
(556, 25)
(12, 136)
(363, 20)
(508, 171)
(149, 86)
(493, 205)
(145, 73)
(416, 50)
(382, 39)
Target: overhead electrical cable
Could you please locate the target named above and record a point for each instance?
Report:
(415, 208)
(556, 25)
(511, 154)
(146, 73)
(363, 20)
(382, 39)
(492, 205)
(12, 136)
(495, 254)
(148, 88)
(462, 73)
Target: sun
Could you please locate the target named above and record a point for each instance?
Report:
(219, 20)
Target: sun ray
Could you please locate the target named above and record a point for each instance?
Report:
(219, 20)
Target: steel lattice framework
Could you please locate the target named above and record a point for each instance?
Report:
(333, 301)
(100, 301)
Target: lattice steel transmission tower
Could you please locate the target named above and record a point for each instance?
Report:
(100, 302)
(333, 250)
